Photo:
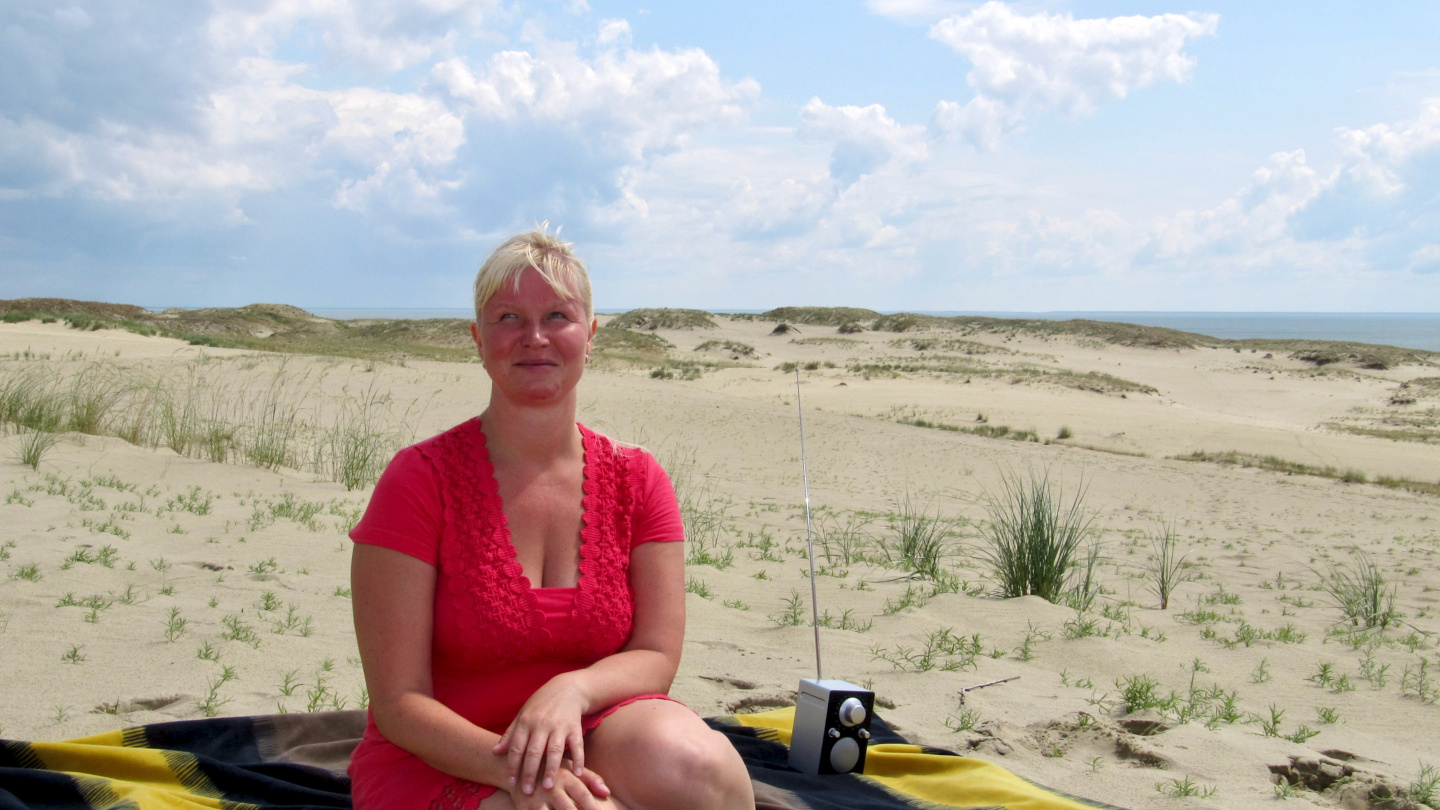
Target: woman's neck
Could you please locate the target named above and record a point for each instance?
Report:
(530, 433)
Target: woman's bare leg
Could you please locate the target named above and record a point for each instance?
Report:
(659, 755)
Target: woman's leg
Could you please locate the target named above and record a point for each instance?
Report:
(659, 755)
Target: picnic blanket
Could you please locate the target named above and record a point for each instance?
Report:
(297, 762)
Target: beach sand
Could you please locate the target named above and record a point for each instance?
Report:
(143, 585)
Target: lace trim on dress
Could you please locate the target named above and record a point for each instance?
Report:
(461, 794)
(496, 606)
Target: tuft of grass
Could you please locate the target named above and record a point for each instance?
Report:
(1359, 589)
(33, 446)
(1064, 433)
(30, 572)
(1166, 568)
(1034, 535)
(921, 540)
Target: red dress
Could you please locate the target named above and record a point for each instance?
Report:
(496, 638)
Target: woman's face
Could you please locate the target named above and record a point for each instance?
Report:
(533, 342)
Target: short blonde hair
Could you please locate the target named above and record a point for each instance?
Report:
(552, 258)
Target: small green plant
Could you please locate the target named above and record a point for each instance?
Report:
(1187, 787)
(1328, 715)
(1426, 787)
(174, 624)
(964, 720)
(1034, 536)
(1360, 591)
(74, 656)
(33, 447)
(1261, 672)
(921, 540)
(30, 572)
(236, 629)
(698, 587)
(794, 612)
(342, 592)
(736, 604)
(1064, 433)
(1167, 568)
(207, 653)
(1269, 726)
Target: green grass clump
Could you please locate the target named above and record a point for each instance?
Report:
(1034, 535)
(1166, 569)
(920, 540)
(1359, 589)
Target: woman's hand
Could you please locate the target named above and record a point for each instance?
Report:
(570, 792)
(538, 738)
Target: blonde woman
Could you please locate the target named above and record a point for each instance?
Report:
(518, 586)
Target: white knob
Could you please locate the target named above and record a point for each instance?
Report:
(852, 712)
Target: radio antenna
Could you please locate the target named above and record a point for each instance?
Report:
(809, 533)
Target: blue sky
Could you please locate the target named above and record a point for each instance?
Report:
(896, 154)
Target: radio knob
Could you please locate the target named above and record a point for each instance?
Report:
(834, 733)
(863, 734)
(852, 712)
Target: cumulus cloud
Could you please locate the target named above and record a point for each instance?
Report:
(864, 138)
(1025, 64)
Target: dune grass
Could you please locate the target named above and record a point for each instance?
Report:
(241, 411)
(1360, 591)
(1167, 568)
(920, 539)
(1034, 535)
(1277, 464)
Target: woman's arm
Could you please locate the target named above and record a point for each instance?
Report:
(549, 721)
(394, 595)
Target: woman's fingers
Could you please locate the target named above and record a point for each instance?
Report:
(554, 754)
(595, 784)
(515, 754)
(576, 744)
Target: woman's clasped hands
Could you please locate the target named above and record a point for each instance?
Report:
(544, 749)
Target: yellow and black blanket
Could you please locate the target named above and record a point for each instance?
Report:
(297, 762)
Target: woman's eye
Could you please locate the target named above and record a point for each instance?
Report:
(559, 314)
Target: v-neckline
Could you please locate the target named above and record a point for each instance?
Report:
(504, 536)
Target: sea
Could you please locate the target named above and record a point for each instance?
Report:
(1410, 330)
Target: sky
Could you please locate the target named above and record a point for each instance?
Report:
(894, 154)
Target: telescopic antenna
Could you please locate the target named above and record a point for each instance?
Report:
(809, 534)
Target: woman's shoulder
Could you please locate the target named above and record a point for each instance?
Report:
(635, 454)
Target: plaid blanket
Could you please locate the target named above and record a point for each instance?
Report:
(297, 762)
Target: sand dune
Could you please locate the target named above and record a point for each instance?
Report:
(145, 585)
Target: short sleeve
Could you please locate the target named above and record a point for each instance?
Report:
(657, 514)
(406, 512)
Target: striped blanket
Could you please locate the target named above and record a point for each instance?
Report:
(297, 762)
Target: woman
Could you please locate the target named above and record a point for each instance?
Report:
(519, 590)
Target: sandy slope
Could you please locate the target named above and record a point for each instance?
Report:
(221, 543)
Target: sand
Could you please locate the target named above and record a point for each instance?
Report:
(108, 545)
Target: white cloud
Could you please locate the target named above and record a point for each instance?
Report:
(919, 10)
(383, 36)
(1023, 64)
(624, 102)
(864, 138)
(1376, 155)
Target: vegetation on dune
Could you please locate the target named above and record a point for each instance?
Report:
(1034, 537)
(1277, 464)
(820, 316)
(262, 327)
(652, 319)
(627, 345)
(271, 416)
(735, 349)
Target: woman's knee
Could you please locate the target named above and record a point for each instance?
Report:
(668, 759)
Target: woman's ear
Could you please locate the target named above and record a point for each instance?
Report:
(475, 336)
